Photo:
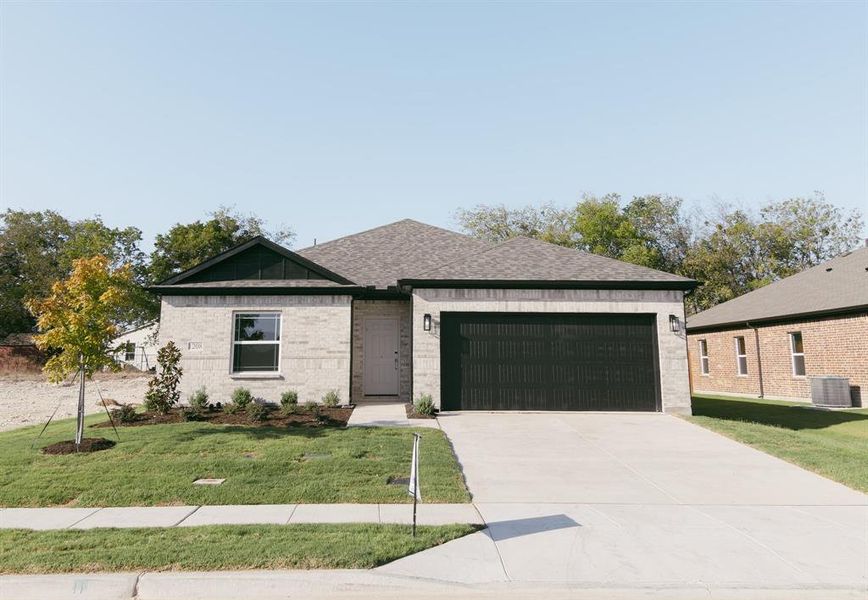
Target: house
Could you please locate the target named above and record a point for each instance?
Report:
(408, 309)
(770, 342)
(138, 347)
(18, 352)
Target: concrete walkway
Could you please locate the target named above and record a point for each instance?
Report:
(385, 413)
(251, 514)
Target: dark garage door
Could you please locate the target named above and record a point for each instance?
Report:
(522, 361)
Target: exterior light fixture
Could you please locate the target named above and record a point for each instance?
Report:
(674, 324)
(426, 322)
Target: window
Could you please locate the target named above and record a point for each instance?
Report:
(129, 352)
(703, 357)
(256, 343)
(797, 351)
(741, 355)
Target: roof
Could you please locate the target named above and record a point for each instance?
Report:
(839, 285)
(147, 325)
(381, 256)
(19, 339)
(407, 252)
(529, 260)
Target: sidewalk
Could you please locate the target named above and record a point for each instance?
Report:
(368, 585)
(238, 514)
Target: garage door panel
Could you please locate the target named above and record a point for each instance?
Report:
(521, 361)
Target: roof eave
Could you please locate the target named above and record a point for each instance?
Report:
(789, 318)
(177, 290)
(682, 285)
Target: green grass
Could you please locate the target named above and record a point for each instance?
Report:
(156, 465)
(218, 547)
(831, 443)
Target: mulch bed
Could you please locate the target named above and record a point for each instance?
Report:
(87, 445)
(412, 414)
(328, 417)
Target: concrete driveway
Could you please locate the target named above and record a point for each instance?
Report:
(650, 501)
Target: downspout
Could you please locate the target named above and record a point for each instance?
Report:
(759, 360)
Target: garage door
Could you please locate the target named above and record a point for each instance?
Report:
(521, 361)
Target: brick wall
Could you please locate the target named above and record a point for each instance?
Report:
(833, 346)
(673, 364)
(365, 309)
(314, 344)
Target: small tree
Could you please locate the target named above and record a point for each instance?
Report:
(79, 318)
(163, 391)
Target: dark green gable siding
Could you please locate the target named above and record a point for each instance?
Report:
(256, 262)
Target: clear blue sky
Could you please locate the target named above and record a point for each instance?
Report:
(335, 118)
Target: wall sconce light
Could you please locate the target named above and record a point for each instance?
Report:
(674, 324)
(426, 322)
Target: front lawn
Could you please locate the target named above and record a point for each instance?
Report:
(831, 443)
(157, 464)
(219, 547)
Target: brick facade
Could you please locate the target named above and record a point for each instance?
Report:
(398, 309)
(314, 344)
(833, 346)
(675, 390)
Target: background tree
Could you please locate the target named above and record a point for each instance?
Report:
(39, 248)
(730, 252)
(498, 223)
(79, 318)
(186, 245)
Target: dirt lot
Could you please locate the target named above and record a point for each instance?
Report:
(30, 400)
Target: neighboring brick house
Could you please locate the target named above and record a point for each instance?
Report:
(770, 342)
(18, 352)
(409, 309)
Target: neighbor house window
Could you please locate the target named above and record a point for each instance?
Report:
(129, 352)
(740, 355)
(798, 353)
(703, 357)
(256, 343)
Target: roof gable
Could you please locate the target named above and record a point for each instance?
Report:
(255, 260)
(528, 260)
(838, 285)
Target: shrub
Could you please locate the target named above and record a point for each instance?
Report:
(230, 408)
(331, 399)
(199, 400)
(289, 398)
(126, 413)
(257, 412)
(311, 406)
(424, 405)
(242, 397)
(191, 414)
(163, 392)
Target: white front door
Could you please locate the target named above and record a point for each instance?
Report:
(381, 357)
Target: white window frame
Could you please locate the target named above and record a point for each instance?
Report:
(127, 352)
(703, 358)
(794, 354)
(235, 343)
(739, 356)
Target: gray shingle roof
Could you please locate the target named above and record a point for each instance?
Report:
(415, 252)
(526, 259)
(382, 256)
(837, 285)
